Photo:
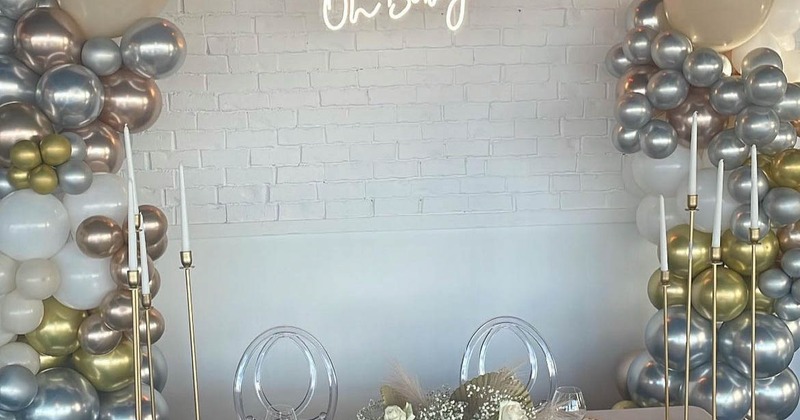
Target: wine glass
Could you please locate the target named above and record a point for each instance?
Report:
(281, 412)
(568, 403)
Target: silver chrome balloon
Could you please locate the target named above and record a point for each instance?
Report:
(757, 125)
(703, 67)
(788, 108)
(760, 57)
(765, 86)
(5, 186)
(790, 263)
(733, 391)
(670, 49)
(633, 111)
(119, 405)
(786, 139)
(20, 121)
(70, 95)
(740, 223)
(774, 344)
(155, 48)
(17, 82)
(626, 141)
(676, 326)
(739, 184)
(646, 382)
(7, 415)
(16, 8)
(17, 387)
(74, 177)
(47, 37)
(102, 56)
(159, 367)
(782, 205)
(787, 309)
(774, 283)
(794, 327)
(7, 35)
(95, 337)
(635, 80)
(637, 43)
(727, 96)
(658, 139)
(727, 147)
(649, 13)
(667, 89)
(616, 62)
(78, 145)
(777, 397)
(63, 395)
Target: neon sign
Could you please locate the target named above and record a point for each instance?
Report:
(350, 13)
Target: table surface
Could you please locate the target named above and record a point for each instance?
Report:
(675, 413)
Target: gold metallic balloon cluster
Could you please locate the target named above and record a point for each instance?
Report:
(34, 162)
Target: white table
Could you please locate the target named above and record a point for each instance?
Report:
(675, 413)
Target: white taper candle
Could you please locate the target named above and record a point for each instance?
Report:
(143, 263)
(126, 137)
(132, 255)
(662, 239)
(185, 246)
(693, 158)
(753, 187)
(716, 231)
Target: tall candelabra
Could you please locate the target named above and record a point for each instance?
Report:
(754, 242)
(691, 207)
(716, 262)
(134, 285)
(665, 291)
(186, 263)
(147, 304)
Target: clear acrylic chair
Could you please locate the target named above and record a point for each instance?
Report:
(256, 355)
(534, 344)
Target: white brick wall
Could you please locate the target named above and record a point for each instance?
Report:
(279, 119)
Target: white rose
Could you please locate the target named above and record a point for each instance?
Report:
(394, 412)
(511, 410)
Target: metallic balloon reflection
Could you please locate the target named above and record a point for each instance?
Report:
(709, 121)
(18, 81)
(20, 121)
(777, 397)
(102, 56)
(95, 337)
(153, 48)
(104, 149)
(731, 299)
(47, 37)
(733, 391)
(774, 345)
(18, 388)
(107, 372)
(63, 395)
(700, 340)
(70, 95)
(159, 367)
(646, 382)
(119, 405)
(130, 99)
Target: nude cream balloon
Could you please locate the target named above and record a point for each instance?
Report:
(718, 24)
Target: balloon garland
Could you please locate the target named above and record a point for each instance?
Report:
(740, 73)
(66, 91)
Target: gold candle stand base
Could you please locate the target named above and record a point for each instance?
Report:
(186, 263)
(691, 207)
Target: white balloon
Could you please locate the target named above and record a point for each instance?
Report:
(32, 225)
(6, 337)
(107, 196)
(20, 354)
(648, 217)
(19, 314)
(8, 270)
(661, 176)
(791, 65)
(706, 198)
(783, 18)
(38, 279)
(84, 281)
(762, 39)
(627, 177)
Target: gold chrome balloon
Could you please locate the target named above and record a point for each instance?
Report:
(99, 237)
(57, 335)
(56, 149)
(18, 178)
(785, 168)
(107, 372)
(765, 163)
(731, 294)
(737, 254)
(789, 236)
(25, 155)
(47, 362)
(676, 292)
(678, 250)
(43, 179)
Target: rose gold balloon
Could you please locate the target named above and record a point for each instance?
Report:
(789, 236)
(99, 237)
(116, 310)
(154, 224)
(157, 250)
(47, 37)
(157, 326)
(155, 283)
(709, 122)
(130, 99)
(105, 151)
(20, 121)
(119, 267)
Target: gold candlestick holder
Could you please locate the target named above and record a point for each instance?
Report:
(754, 242)
(147, 303)
(133, 285)
(186, 263)
(716, 262)
(665, 290)
(691, 207)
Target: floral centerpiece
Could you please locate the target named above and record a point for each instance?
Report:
(492, 396)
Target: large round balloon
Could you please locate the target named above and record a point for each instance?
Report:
(678, 250)
(106, 197)
(17, 388)
(646, 382)
(733, 391)
(63, 395)
(777, 397)
(32, 225)
(718, 24)
(84, 281)
(119, 405)
(660, 176)
(709, 121)
(110, 18)
(57, 335)
(700, 340)
(71, 95)
(130, 99)
(20, 121)
(18, 81)
(731, 294)
(107, 372)
(159, 367)
(37, 279)
(47, 37)
(737, 254)
(153, 47)
(774, 345)
(104, 149)
(706, 192)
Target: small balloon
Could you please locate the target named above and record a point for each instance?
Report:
(18, 388)
(727, 96)
(111, 371)
(786, 139)
(57, 335)
(670, 49)
(19, 121)
(624, 140)
(667, 89)
(43, 179)
(646, 382)
(765, 86)
(154, 223)
(785, 169)
(658, 139)
(74, 177)
(740, 223)
(159, 367)
(616, 62)
(782, 205)
(116, 310)
(119, 405)
(678, 250)
(20, 354)
(157, 250)
(70, 95)
(77, 145)
(119, 267)
(709, 121)
(676, 292)
(633, 111)
(635, 80)
(757, 125)
(703, 67)
(774, 345)
(96, 338)
(104, 148)
(38, 279)
(130, 99)
(788, 236)
(727, 147)
(157, 326)
(788, 309)
(647, 13)
(637, 43)
(154, 48)
(788, 108)
(99, 237)
(25, 155)
(774, 283)
(758, 58)
(63, 395)
(47, 37)
(56, 149)
(102, 56)
(20, 315)
(790, 263)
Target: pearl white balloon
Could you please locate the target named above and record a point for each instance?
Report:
(648, 219)
(84, 281)
(32, 225)
(38, 279)
(627, 177)
(707, 193)
(20, 354)
(19, 314)
(107, 196)
(661, 176)
(8, 271)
